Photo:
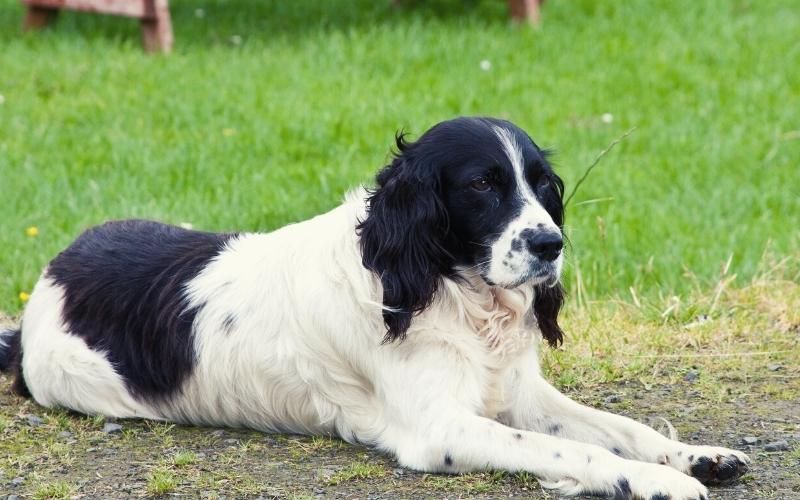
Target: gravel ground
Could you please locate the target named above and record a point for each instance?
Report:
(54, 454)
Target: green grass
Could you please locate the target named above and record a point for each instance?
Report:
(161, 482)
(274, 129)
(357, 471)
(184, 458)
(58, 489)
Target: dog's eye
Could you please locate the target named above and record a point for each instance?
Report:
(480, 185)
(544, 181)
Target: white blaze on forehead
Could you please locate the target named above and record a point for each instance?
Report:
(514, 154)
(508, 264)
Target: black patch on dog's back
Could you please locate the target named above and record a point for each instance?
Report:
(124, 294)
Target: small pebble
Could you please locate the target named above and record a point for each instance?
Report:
(319, 491)
(691, 376)
(781, 445)
(218, 434)
(614, 398)
(34, 421)
(231, 441)
(398, 472)
(17, 481)
(774, 367)
(112, 428)
(13, 497)
(64, 434)
(749, 440)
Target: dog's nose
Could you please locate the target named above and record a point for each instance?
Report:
(546, 245)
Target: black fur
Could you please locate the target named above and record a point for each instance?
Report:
(721, 471)
(403, 238)
(623, 489)
(549, 299)
(546, 305)
(424, 220)
(124, 295)
(11, 359)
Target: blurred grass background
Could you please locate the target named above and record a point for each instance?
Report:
(268, 111)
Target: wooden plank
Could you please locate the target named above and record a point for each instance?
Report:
(154, 15)
(522, 10)
(129, 8)
(38, 17)
(157, 30)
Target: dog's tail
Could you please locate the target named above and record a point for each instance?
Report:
(11, 357)
(9, 347)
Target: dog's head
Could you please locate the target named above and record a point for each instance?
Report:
(472, 195)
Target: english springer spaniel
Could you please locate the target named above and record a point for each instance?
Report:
(408, 319)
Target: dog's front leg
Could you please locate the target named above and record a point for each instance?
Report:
(539, 406)
(445, 441)
(430, 418)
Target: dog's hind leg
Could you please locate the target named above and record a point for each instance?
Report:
(61, 370)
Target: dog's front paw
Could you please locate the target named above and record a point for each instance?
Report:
(715, 466)
(631, 480)
(657, 482)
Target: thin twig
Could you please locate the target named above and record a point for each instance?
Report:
(713, 355)
(595, 162)
(596, 200)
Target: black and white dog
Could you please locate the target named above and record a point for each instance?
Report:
(407, 318)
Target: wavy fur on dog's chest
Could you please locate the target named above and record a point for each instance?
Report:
(487, 327)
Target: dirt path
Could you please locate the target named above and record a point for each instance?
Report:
(57, 454)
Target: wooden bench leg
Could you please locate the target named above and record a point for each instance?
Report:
(38, 17)
(522, 10)
(157, 27)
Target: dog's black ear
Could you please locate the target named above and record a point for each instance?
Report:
(403, 235)
(549, 299)
(553, 201)
(546, 305)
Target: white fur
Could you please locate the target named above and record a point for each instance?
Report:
(304, 354)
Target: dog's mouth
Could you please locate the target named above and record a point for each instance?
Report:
(538, 273)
